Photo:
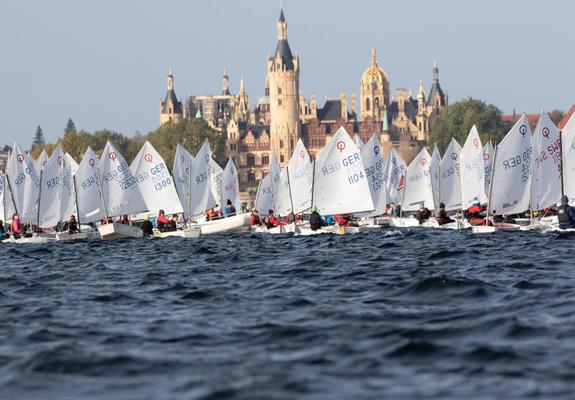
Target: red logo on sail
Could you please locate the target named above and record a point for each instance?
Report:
(148, 158)
(485, 157)
(92, 162)
(20, 158)
(545, 133)
(59, 160)
(302, 154)
(423, 161)
(113, 156)
(340, 145)
(476, 143)
(401, 183)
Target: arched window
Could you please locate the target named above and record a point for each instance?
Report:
(265, 159)
(376, 104)
(251, 160)
(281, 144)
(367, 104)
(251, 176)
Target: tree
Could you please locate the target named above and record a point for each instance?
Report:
(189, 133)
(70, 126)
(39, 139)
(556, 116)
(457, 119)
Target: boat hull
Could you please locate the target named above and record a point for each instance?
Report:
(119, 231)
(236, 223)
(66, 236)
(188, 233)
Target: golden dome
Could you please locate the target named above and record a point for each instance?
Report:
(374, 73)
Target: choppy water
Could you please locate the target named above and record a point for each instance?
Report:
(422, 315)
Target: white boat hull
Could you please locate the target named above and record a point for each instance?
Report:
(29, 240)
(66, 236)
(403, 222)
(340, 230)
(192, 232)
(119, 231)
(239, 222)
(494, 228)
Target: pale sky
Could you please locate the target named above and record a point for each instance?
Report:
(104, 62)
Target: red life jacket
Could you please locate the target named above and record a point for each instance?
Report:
(474, 209)
(16, 227)
(162, 219)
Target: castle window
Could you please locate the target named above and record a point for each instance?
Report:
(376, 104)
(281, 144)
(265, 159)
(279, 90)
(367, 104)
(251, 160)
(281, 158)
(328, 129)
(279, 102)
(251, 176)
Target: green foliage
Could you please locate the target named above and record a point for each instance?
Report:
(70, 127)
(189, 133)
(39, 139)
(457, 119)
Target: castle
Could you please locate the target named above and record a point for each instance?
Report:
(283, 115)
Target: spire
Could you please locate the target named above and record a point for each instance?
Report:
(267, 86)
(282, 26)
(242, 88)
(225, 83)
(421, 93)
(384, 123)
(170, 82)
(435, 72)
(373, 57)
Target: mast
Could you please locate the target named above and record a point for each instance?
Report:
(403, 195)
(290, 198)
(101, 192)
(491, 185)
(39, 202)
(12, 194)
(190, 191)
(76, 201)
(312, 184)
(4, 197)
(561, 162)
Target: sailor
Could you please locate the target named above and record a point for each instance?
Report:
(125, 220)
(147, 226)
(255, 218)
(315, 221)
(16, 226)
(566, 214)
(3, 234)
(73, 225)
(442, 217)
(271, 220)
(291, 218)
(423, 214)
(209, 214)
(397, 210)
(173, 225)
(162, 222)
(229, 209)
(473, 214)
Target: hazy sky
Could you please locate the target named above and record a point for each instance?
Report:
(104, 62)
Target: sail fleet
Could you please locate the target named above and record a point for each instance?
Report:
(523, 172)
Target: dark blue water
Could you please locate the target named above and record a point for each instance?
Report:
(418, 315)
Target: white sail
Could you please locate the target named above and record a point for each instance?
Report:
(358, 142)
(340, 184)
(216, 174)
(284, 197)
(120, 189)
(511, 174)
(374, 163)
(3, 199)
(41, 161)
(546, 166)
(230, 186)
(418, 188)
(181, 171)
(25, 182)
(51, 190)
(202, 199)
(396, 170)
(472, 170)
(487, 165)
(275, 177)
(450, 182)
(264, 199)
(300, 171)
(435, 172)
(568, 136)
(155, 182)
(70, 169)
(90, 205)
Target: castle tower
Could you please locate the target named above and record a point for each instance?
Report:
(171, 109)
(374, 90)
(225, 84)
(283, 76)
(436, 99)
(243, 103)
(421, 119)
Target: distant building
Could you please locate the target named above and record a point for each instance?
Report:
(171, 108)
(283, 115)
